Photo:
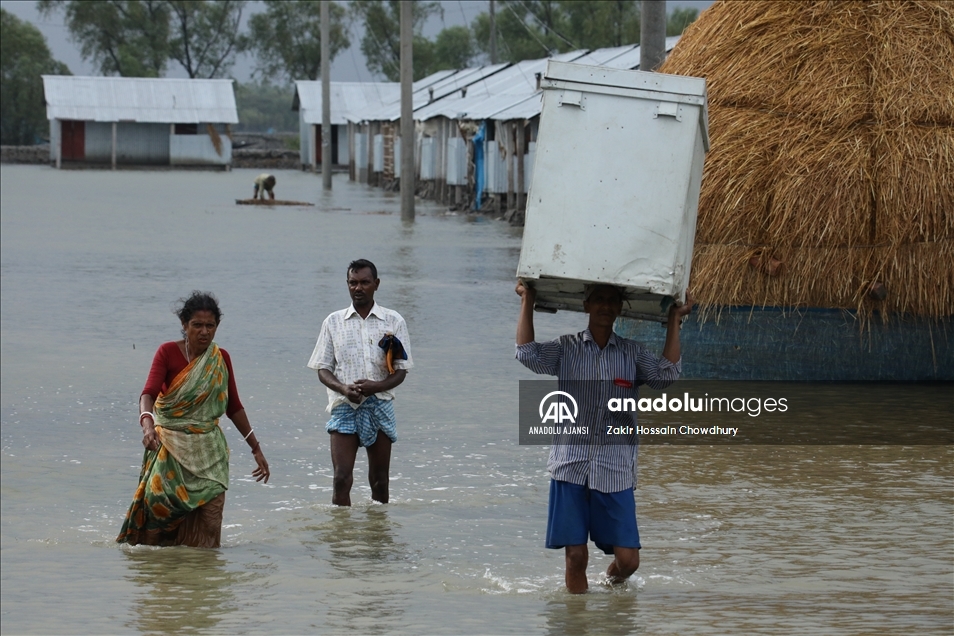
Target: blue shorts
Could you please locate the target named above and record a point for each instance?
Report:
(577, 512)
(373, 415)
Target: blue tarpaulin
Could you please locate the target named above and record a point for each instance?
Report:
(479, 162)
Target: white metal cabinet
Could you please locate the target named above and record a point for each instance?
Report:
(615, 187)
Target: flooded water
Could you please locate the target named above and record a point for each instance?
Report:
(736, 539)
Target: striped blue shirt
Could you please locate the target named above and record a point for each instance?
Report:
(605, 373)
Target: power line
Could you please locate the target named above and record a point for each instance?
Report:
(529, 30)
(550, 28)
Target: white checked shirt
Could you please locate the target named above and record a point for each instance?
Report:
(348, 347)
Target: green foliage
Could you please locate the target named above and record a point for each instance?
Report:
(287, 38)
(263, 107)
(454, 48)
(595, 25)
(205, 35)
(24, 56)
(123, 37)
(381, 43)
(679, 19)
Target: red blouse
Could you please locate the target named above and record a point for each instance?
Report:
(169, 362)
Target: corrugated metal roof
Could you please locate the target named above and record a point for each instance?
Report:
(446, 86)
(506, 105)
(354, 101)
(140, 99)
(381, 101)
(500, 91)
(512, 84)
(431, 79)
(350, 101)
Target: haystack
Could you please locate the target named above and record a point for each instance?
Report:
(830, 179)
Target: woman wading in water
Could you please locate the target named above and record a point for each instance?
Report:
(185, 469)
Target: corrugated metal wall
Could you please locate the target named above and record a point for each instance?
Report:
(456, 161)
(496, 167)
(427, 158)
(377, 157)
(55, 142)
(344, 157)
(135, 143)
(304, 139)
(361, 156)
(397, 157)
(199, 150)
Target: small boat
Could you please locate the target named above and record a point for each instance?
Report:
(271, 202)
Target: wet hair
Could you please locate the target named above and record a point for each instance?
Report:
(198, 301)
(270, 182)
(362, 263)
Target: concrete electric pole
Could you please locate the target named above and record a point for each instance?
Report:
(652, 34)
(325, 95)
(407, 113)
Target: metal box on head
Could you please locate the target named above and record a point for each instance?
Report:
(615, 187)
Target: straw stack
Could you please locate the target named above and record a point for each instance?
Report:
(830, 180)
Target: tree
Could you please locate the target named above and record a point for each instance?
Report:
(263, 107)
(287, 38)
(453, 49)
(205, 36)
(596, 25)
(123, 37)
(381, 43)
(679, 19)
(24, 56)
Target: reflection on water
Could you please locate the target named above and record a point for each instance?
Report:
(180, 589)
(358, 544)
(608, 612)
(360, 541)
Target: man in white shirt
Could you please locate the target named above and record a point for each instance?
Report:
(352, 362)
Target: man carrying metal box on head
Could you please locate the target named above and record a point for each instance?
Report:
(592, 480)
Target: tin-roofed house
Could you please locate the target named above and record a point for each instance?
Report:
(360, 138)
(350, 102)
(140, 121)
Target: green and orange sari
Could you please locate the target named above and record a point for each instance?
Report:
(191, 466)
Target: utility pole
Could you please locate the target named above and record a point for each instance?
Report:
(325, 95)
(493, 34)
(407, 113)
(652, 34)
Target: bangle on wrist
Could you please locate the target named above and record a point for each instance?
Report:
(144, 414)
(250, 431)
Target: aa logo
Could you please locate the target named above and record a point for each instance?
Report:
(557, 411)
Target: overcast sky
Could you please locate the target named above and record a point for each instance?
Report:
(348, 66)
